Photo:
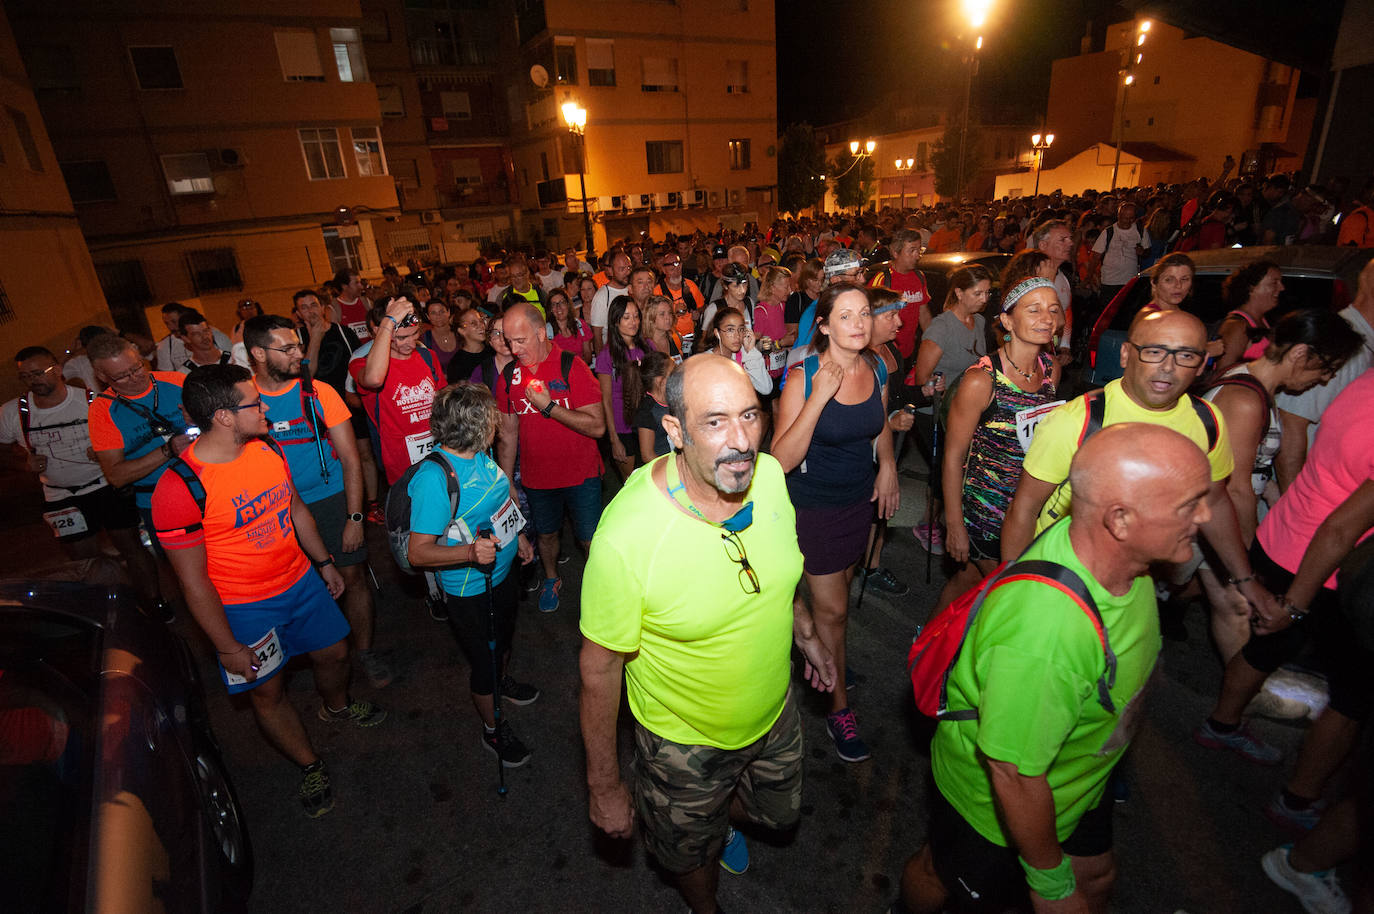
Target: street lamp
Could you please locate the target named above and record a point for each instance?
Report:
(1131, 57)
(904, 166)
(1040, 144)
(575, 116)
(858, 154)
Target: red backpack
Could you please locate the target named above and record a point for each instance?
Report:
(937, 645)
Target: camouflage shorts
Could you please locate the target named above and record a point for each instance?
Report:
(682, 793)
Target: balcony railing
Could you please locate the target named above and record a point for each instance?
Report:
(454, 196)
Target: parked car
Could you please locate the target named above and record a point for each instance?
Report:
(1313, 276)
(113, 795)
(938, 268)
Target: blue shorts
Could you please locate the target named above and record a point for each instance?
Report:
(582, 500)
(304, 618)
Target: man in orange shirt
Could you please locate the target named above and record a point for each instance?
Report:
(686, 298)
(948, 240)
(242, 543)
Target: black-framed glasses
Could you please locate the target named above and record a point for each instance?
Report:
(734, 548)
(131, 373)
(287, 349)
(256, 404)
(27, 376)
(1183, 358)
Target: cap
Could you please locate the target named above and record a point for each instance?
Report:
(719, 252)
(841, 261)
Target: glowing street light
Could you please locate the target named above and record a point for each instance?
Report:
(977, 12)
(1040, 144)
(575, 117)
(1127, 73)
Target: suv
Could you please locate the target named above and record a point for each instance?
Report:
(1313, 276)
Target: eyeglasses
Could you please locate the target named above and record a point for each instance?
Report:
(27, 376)
(256, 404)
(288, 348)
(1183, 358)
(672, 263)
(734, 549)
(131, 373)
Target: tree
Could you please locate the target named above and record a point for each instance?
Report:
(857, 181)
(801, 161)
(944, 158)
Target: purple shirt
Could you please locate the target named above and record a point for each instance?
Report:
(603, 366)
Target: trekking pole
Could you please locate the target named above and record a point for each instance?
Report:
(878, 532)
(930, 477)
(495, 678)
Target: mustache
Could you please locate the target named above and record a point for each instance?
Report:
(737, 457)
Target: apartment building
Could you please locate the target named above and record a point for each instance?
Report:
(214, 151)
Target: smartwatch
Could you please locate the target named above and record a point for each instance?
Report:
(327, 561)
(356, 517)
(547, 412)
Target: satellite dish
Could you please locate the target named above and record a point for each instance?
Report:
(539, 76)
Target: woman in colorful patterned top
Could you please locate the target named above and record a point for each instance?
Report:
(995, 409)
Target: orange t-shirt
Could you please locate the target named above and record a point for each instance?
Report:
(251, 552)
(945, 241)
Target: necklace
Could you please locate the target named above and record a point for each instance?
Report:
(1007, 358)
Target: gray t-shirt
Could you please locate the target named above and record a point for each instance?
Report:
(1310, 404)
(959, 346)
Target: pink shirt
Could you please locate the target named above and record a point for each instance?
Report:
(1341, 460)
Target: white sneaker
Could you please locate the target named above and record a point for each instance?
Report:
(1319, 893)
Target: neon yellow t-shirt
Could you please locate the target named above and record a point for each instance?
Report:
(708, 663)
(1030, 665)
(1056, 441)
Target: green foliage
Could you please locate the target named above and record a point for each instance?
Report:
(800, 160)
(944, 158)
(857, 182)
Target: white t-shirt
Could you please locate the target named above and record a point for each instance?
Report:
(1311, 403)
(495, 292)
(1121, 262)
(78, 368)
(601, 303)
(171, 351)
(554, 280)
(59, 434)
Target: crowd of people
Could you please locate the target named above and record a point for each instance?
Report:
(748, 397)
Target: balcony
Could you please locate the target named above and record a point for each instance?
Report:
(431, 52)
(469, 195)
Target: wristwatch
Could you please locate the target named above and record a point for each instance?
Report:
(356, 517)
(547, 412)
(328, 561)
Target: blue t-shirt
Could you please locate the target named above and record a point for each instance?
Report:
(485, 491)
(286, 421)
(806, 326)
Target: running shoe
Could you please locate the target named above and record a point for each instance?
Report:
(375, 668)
(883, 581)
(438, 609)
(1240, 741)
(376, 514)
(518, 693)
(360, 713)
(931, 538)
(844, 730)
(734, 857)
(1295, 820)
(315, 793)
(1319, 893)
(513, 753)
(548, 594)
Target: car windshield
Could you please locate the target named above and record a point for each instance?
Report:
(1206, 301)
(49, 687)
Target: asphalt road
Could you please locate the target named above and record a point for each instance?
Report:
(418, 825)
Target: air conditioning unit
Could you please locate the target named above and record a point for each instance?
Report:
(694, 197)
(605, 204)
(227, 158)
(431, 217)
(664, 201)
(714, 198)
(734, 197)
(642, 201)
(617, 201)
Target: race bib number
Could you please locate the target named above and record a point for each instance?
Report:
(67, 522)
(506, 523)
(281, 426)
(359, 329)
(1028, 419)
(269, 656)
(777, 359)
(418, 445)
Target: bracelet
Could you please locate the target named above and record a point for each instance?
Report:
(328, 560)
(547, 412)
(1236, 582)
(241, 647)
(1053, 884)
(1297, 615)
(392, 319)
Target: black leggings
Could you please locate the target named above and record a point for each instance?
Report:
(470, 619)
(1348, 670)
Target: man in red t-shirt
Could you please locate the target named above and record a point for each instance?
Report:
(397, 381)
(350, 306)
(556, 424)
(901, 276)
(243, 555)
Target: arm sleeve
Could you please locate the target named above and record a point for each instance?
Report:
(1100, 245)
(1220, 458)
(10, 428)
(174, 510)
(603, 362)
(105, 435)
(614, 617)
(332, 404)
(1026, 708)
(1054, 444)
(429, 501)
(500, 392)
(585, 388)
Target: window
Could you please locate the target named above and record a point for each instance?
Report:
(187, 173)
(467, 171)
(322, 156)
(739, 155)
(299, 53)
(54, 69)
(348, 55)
(600, 62)
(1150, 122)
(213, 270)
(124, 284)
(7, 312)
(736, 76)
(664, 156)
(367, 151)
(565, 61)
(922, 155)
(457, 106)
(88, 182)
(660, 74)
(156, 67)
(26, 140)
(342, 248)
(1156, 80)
(391, 100)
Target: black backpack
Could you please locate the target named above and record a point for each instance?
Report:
(398, 508)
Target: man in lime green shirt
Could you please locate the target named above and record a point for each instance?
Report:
(1164, 354)
(691, 592)
(1024, 782)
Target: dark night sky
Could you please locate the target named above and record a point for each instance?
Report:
(835, 59)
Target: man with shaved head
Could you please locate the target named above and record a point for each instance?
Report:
(1021, 806)
(703, 644)
(550, 404)
(1163, 354)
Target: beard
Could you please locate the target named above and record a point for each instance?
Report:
(733, 482)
